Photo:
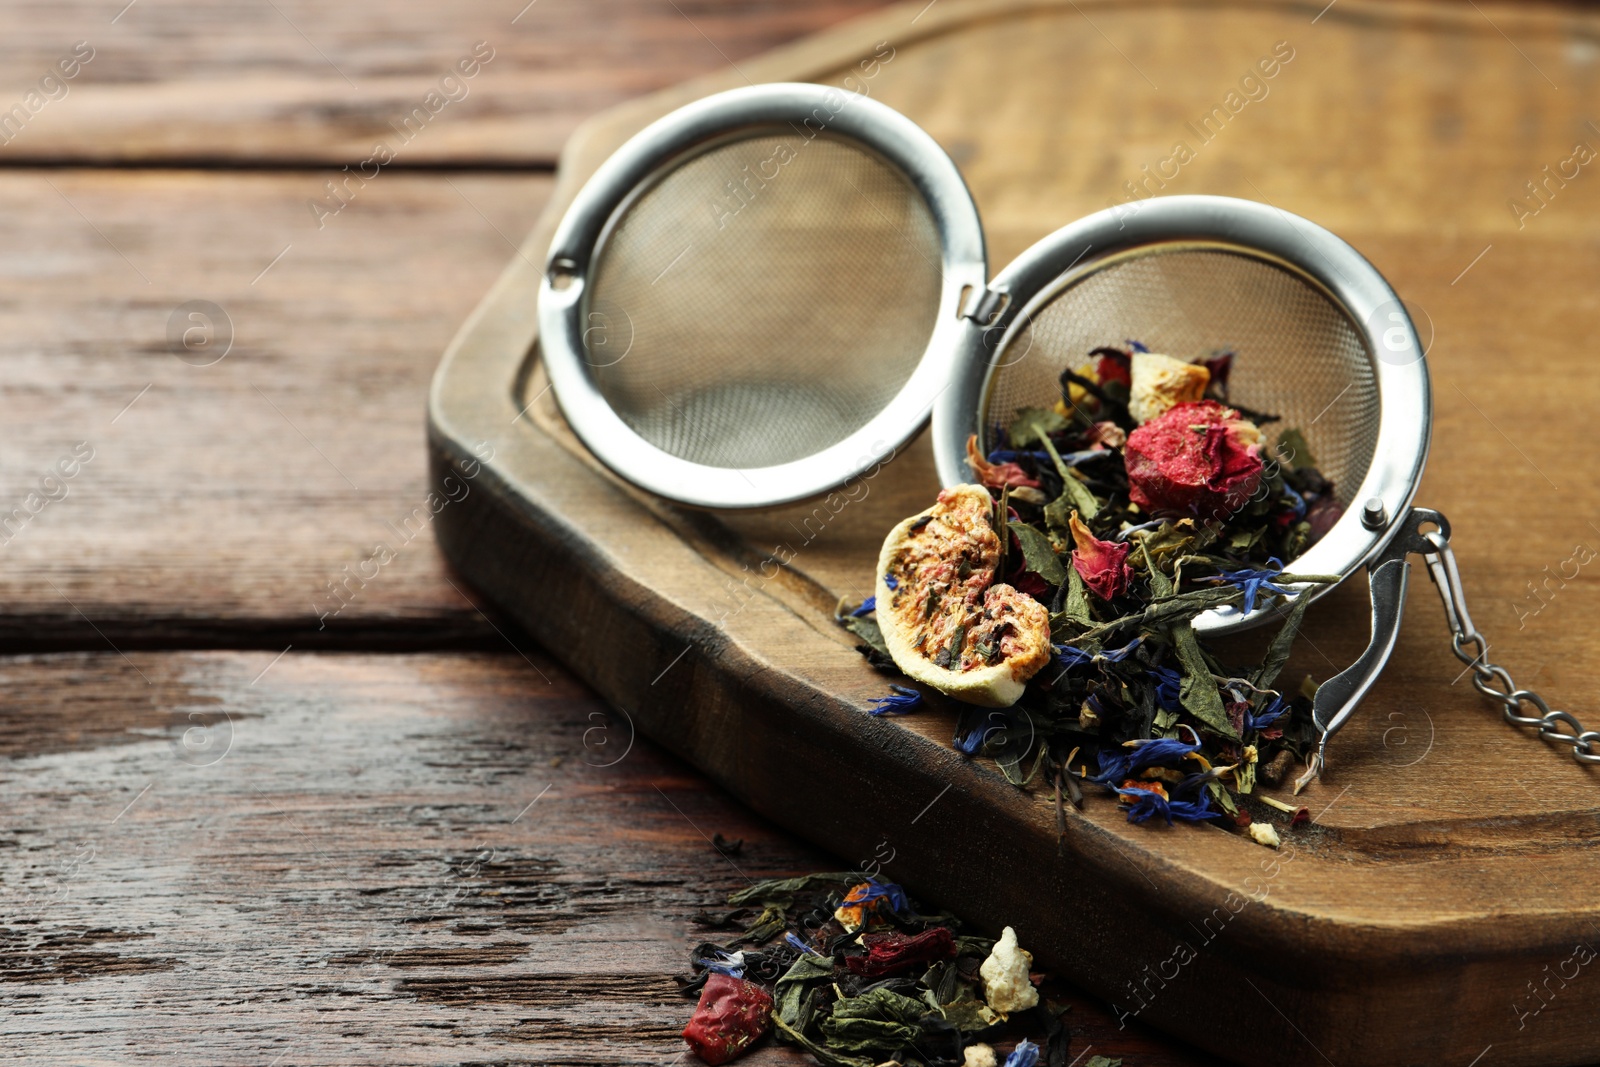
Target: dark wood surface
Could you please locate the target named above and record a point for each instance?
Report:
(293, 83)
(351, 858)
(230, 857)
(1449, 854)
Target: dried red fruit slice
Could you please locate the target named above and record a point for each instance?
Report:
(732, 1015)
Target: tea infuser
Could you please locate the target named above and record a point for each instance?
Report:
(764, 294)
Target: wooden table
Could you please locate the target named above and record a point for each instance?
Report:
(263, 801)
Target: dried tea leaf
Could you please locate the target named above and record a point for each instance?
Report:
(1278, 652)
(1040, 558)
(827, 1058)
(1010, 764)
(878, 1021)
(1198, 693)
(1076, 605)
(1074, 494)
(1220, 794)
(1293, 449)
(1035, 424)
(1245, 777)
(790, 992)
(781, 891)
(969, 1014)
(866, 628)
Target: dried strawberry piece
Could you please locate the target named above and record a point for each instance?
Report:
(893, 952)
(1202, 458)
(732, 1015)
(1103, 565)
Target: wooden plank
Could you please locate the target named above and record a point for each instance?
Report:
(307, 83)
(241, 501)
(1448, 844)
(355, 858)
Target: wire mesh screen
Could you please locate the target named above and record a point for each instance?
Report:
(1296, 354)
(764, 299)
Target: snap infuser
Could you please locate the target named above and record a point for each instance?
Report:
(765, 293)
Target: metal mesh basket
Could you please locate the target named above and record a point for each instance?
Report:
(756, 298)
(1297, 354)
(766, 292)
(763, 300)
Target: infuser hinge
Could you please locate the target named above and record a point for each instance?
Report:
(990, 303)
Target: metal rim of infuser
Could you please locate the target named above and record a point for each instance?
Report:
(950, 268)
(1078, 252)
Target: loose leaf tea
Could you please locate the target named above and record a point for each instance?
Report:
(1139, 501)
(853, 972)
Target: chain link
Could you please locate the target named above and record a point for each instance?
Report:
(1494, 681)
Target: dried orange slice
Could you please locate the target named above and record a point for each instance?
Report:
(946, 622)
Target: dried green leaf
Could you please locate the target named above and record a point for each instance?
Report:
(1076, 605)
(1031, 424)
(1224, 799)
(1245, 778)
(1278, 652)
(824, 1055)
(1198, 692)
(790, 991)
(1040, 558)
(969, 1014)
(781, 891)
(1074, 494)
(866, 627)
(878, 1021)
(1011, 765)
(1293, 449)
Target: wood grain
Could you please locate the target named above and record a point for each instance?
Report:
(356, 858)
(1441, 878)
(301, 83)
(221, 501)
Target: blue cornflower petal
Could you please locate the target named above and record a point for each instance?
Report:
(886, 891)
(732, 966)
(902, 700)
(1269, 715)
(1154, 753)
(1137, 346)
(868, 606)
(1169, 685)
(1026, 1054)
(970, 742)
(1252, 581)
(804, 948)
(1068, 656)
(1148, 804)
(891, 581)
(1006, 455)
(1299, 501)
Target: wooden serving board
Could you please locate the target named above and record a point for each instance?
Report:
(1438, 908)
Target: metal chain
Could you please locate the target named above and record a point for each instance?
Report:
(1494, 681)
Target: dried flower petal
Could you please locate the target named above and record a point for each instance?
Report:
(996, 475)
(894, 952)
(1160, 382)
(1103, 565)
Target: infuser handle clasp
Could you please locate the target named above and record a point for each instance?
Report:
(1387, 575)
